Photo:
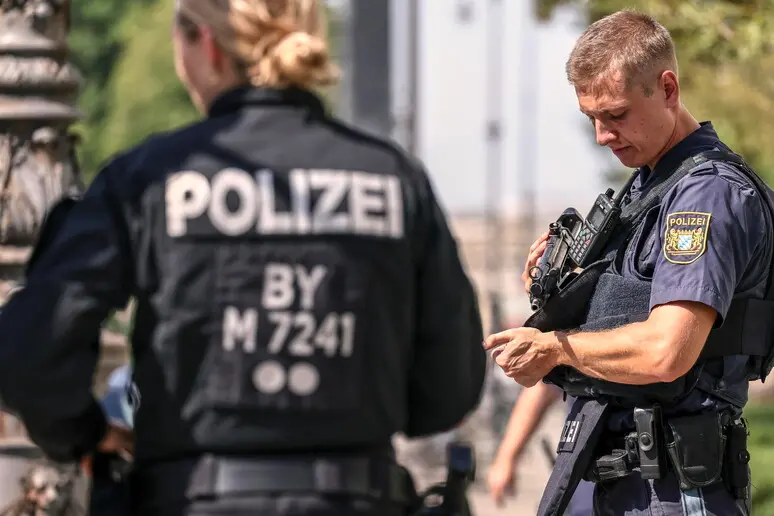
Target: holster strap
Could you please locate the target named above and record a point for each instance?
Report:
(619, 463)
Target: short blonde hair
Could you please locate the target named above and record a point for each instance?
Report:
(277, 43)
(628, 43)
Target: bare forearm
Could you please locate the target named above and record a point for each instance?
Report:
(660, 349)
(525, 417)
(635, 354)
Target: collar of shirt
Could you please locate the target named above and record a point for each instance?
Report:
(238, 98)
(703, 138)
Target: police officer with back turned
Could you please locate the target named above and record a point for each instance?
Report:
(299, 295)
(658, 334)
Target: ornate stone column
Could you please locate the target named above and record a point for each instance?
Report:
(38, 91)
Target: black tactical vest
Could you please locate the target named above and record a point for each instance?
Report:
(600, 298)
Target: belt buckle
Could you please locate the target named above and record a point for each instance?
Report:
(351, 477)
(327, 476)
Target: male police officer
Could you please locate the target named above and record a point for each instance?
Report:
(299, 294)
(675, 315)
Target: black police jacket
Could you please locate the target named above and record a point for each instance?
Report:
(297, 288)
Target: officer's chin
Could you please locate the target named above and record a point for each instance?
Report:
(628, 157)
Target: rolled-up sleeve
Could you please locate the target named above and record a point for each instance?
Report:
(710, 230)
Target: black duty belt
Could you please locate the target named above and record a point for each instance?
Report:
(211, 476)
(700, 450)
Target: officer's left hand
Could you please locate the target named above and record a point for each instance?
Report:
(522, 355)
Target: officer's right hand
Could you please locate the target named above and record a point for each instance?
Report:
(535, 252)
(118, 440)
(501, 480)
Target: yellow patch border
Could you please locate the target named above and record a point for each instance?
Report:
(704, 243)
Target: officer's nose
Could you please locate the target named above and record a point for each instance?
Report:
(605, 136)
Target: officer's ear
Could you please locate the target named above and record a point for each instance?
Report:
(669, 87)
(213, 53)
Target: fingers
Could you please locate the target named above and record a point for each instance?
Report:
(535, 253)
(524, 381)
(542, 238)
(119, 439)
(498, 339)
(510, 491)
(497, 495)
(496, 487)
(500, 489)
(86, 465)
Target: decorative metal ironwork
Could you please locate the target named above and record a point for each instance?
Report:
(38, 166)
(38, 91)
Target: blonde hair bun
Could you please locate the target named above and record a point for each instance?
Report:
(278, 43)
(300, 59)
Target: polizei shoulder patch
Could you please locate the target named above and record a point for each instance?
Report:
(685, 237)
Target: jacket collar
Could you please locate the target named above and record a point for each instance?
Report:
(238, 98)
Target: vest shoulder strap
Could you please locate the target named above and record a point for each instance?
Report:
(748, 328)
(633, 212)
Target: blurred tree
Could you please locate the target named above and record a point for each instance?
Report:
(143, 93)
(726, 64)
(124, 51)
(95, 46)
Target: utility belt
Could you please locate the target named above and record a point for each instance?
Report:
(212, 476)
(701, 450)
(378, 479)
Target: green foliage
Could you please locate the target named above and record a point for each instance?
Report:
(726, 64)
(95, 46)
(123, 50)
(144, 93)
(761, 445)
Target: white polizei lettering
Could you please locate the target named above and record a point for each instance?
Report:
(300, 345)
(367, 196)
(187, 195)
(283, 322)
(394, 199)
(308, 281)
(300, 334)
(278, 291)
(229, 222)
(270, 377)
(327, 337)
(240, 326)
(333, 188)
(271, 221)
(303, 379)
(319, 202)
(299, 189)
(347, 321)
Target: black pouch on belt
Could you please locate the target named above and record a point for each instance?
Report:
(697, 449)
(736, 471)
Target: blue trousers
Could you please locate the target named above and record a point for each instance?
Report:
(633, 496)
(582, 503)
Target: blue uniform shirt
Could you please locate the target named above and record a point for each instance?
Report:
(707, 242)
